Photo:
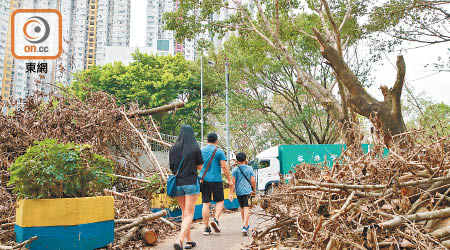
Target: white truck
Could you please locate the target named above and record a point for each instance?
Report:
(272, 162)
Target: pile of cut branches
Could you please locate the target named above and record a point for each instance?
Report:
(135, 226)
(369, 201)
(113, 131)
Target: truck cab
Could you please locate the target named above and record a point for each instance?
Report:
(267, 169)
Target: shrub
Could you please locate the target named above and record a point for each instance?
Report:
(53, 170)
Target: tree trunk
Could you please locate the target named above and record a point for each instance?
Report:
(388, 111)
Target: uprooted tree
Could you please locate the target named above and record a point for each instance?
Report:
(333, 25)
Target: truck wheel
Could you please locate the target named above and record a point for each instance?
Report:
(269, 189)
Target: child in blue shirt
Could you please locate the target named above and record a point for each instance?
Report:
(245, 184)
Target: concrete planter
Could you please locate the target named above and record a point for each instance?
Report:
(69, 223)
(162, 201)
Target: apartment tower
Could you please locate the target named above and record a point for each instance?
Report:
(88, 27)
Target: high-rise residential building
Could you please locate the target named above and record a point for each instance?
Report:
(88, 27)
(162, 42)
(109, 25)
(6, 60)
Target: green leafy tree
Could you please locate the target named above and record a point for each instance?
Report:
(54, 170)
(434, 118)
(266, 84)
(331, 26)
(152, 81)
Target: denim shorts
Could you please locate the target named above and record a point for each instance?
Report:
(187, 190)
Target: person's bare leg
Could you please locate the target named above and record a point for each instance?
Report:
(246, 216)
(189, 209)
(188, 234)
(205, 214)
(219, 209)
(182, 203)
(242, 214)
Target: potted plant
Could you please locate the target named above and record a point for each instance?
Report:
(56, 184)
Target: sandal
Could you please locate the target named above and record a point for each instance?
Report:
(190, 245)
(178, 246)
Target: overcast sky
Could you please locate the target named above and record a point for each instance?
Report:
(436, 86)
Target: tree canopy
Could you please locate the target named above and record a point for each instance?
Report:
(332, 27)
(151, 81)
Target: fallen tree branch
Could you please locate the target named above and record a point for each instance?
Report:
(146, 112)
(107, 191)
(284, 223)
(6, 220)
(128, 236)
(315, 188)
(124, 221)
(398, 220)
(425, 181)
(441, 199)
(131, 178)
(168, 222)
(20, 245)
(343, 209)
(441, 233)
(142, 220)
(445, 197)
(7, 225)
(368, 186)
(446, 243)
(127, 221)
(341, 186)
(318, 227)
(153, 111)
(147, 148)
(158, 141)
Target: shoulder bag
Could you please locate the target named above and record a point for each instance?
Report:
(172, 181)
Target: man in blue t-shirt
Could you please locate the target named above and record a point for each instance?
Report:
(244, 181)
(212, 183)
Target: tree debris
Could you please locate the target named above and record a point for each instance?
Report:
(373, 201)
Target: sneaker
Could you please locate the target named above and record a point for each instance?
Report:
(215, 225)
(244, 231)
(207, 231)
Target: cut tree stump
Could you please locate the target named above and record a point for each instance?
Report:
(148, 235)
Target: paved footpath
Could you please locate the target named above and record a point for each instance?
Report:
(230, 238)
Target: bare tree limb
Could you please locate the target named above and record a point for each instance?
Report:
(437, 214)
(19, 245)
(153, 111)
(142, 220)
(147, 148)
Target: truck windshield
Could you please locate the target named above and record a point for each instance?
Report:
(264, 164)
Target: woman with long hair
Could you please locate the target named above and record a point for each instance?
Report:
(186, 153)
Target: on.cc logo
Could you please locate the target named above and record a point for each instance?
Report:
(36, 29)
(36, 34)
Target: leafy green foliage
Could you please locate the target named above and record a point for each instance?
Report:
(435, 119)
(267, 105)
(152, 81)
(274, 48)
(156, 186)
(53, 170)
